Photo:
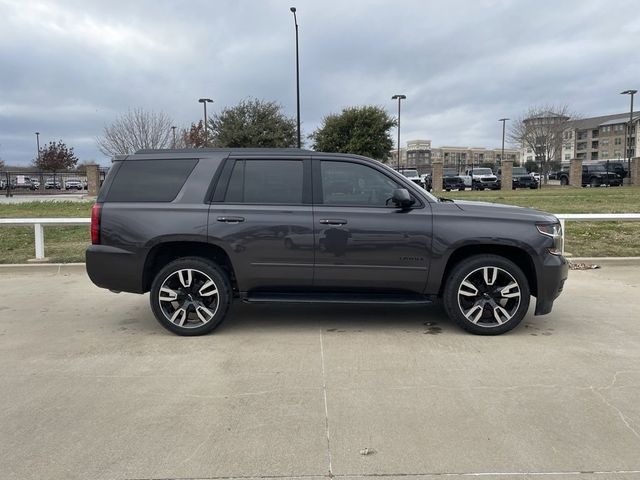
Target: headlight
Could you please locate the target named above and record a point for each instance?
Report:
(553, 230)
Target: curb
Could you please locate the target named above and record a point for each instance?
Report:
(607, 261)
(50, 268)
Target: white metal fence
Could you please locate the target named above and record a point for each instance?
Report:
(39, 223)
(38, 227)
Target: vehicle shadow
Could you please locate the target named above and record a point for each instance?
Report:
(370, 318)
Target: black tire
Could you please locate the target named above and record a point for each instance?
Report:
(469, 270)
(594, 182)
(564, 181)
(202, 269)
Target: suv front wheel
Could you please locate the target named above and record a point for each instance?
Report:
(486, 294)
(190, 296)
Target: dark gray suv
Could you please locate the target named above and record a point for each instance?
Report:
(200, 228)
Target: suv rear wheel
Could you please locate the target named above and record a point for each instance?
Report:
(486, 294)
(190, 296)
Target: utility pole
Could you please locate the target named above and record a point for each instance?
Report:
(629, 134)
(204, 102)
(295, 20)
(173, 129)
(399, 98)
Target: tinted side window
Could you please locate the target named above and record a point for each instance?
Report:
(346, 183)
(266, 181)
(150, 180)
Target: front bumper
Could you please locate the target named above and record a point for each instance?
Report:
(551, 278)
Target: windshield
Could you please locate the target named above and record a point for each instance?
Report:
(482, 171)
(519, 171)
(409, 173)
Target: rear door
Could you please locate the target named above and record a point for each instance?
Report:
(363, 242)
(261, 214)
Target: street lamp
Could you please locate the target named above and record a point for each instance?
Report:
(204, 102)
(295, 21)
(38, 144)
(399, 98)
(504, 121)
(630, 130)
(173, 129)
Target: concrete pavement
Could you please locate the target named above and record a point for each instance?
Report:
(91, 387)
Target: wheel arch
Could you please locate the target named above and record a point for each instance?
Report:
(517, 255)
(165, 252)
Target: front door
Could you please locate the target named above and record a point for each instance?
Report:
(361, 241)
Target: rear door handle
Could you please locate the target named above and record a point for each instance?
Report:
(231, 219)
(333, 221)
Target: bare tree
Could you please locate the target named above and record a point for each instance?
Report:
(135, 130)
(541, 129)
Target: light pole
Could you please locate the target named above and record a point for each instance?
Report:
(504, 121)
(38, 144)
(399, 98)
(204, 102)
(295, 21)
(173, 129)
(630, 130)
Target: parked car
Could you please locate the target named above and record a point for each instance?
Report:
(73, 183)
(413, 175)
(483, 178)
(520, 178)
(36, 184)
(22, 182)
(427, 181)
(594, 175)
(51, 184)
(452, 183)
(210, 226)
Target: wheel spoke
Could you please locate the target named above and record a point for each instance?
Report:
(208, 289)
(490, 274)
(167, 295)
(204, 313)
(185, 279)
(510, 291)
(179, 316)
(467, 289)
(474, 313)
(498, 311)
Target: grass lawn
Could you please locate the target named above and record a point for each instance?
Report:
(583, 239)
(61, 244)
(67, 244)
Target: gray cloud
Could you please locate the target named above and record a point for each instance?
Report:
(69, 67)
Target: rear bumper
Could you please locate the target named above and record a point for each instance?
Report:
(551, 278)
(114, 268)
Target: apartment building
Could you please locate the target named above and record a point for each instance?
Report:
(419, 154)
(600, 138)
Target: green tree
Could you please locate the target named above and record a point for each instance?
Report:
(252, 123)
(362, 130)
(55, 157)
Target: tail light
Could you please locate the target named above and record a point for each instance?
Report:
(95, 223)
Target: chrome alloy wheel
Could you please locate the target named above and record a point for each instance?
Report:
(489, 296)
(188, 298)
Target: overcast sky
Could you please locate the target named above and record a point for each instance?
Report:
(67, 68)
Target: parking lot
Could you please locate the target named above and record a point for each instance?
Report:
(93, 388)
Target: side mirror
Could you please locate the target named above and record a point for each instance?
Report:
(402, 198)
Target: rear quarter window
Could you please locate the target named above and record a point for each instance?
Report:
(150, 180)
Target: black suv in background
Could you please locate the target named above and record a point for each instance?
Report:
(520, 178)
(200, 228)
(594, 176)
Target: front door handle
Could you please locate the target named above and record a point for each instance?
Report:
(333, 221)
(231, 219)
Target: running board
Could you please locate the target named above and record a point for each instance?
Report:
(358, 298)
